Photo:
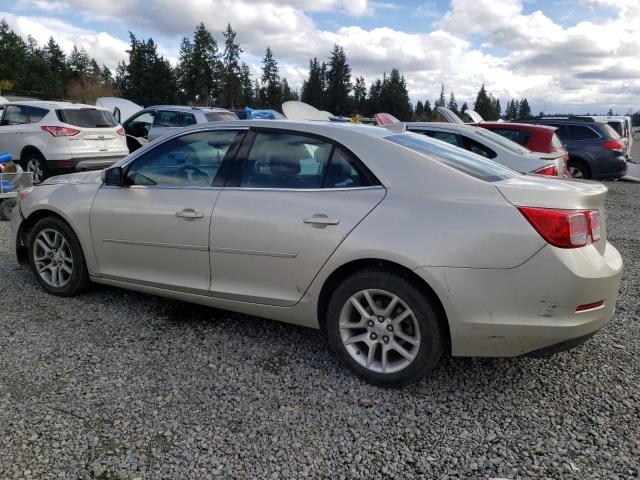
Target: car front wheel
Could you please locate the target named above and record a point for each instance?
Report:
(56, 258)
(384, 328)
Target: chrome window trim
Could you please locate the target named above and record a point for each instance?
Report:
(272, 189)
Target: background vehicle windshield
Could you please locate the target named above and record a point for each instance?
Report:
(87, 118)
(218, 116)
(503, 142)
(462, 160)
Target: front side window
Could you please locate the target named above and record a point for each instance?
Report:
(454, 157)
(189, 160)
(15, 115)
(283, 160)
(167, 119)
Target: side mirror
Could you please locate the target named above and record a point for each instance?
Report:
(112, 176)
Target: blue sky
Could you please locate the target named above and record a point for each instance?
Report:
(564, 56)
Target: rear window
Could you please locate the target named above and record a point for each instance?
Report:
(521, 137)
(462, 160)
(220, 116)
(86, 117)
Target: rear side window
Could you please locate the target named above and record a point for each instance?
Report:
(454, 157)
(220, 116)
(86, 118)
(580, 132)
(344, 172)
(478, 148)
(166, 118)
(188, 119)
(36, 114)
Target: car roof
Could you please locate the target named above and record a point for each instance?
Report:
(564, 121)
(52, 104)
(187, 108)
(518, 126)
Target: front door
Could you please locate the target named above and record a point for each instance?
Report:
(295, 200)
(154, 230)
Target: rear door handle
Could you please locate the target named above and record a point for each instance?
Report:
(320, 220)
(189, 214)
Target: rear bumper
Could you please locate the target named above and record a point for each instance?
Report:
(511, 312)
(80, 164)
(612, 169)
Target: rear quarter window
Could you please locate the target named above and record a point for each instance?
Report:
(454, 157)
(86, 118)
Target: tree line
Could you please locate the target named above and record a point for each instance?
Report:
(209, 74)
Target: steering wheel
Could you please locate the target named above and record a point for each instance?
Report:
(194, 175)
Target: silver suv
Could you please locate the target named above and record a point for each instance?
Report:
(158, 120)
(49, 138)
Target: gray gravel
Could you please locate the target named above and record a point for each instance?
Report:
(120, 385)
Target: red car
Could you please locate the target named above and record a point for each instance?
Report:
(537, 138)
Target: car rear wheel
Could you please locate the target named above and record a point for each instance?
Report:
(56, 258)
(384, 328)
(579, 170)
(35, 165)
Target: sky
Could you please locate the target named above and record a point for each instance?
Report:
(564, 56)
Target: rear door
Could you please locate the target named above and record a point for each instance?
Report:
(290, 201)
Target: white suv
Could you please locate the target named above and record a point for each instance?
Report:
(49, 138)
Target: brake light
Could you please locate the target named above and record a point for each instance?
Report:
(549, 170)
(615, 145)
(60, 131)
(120, 131)
(589, 306)
(564, 228)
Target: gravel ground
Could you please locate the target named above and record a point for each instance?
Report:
(120, 385)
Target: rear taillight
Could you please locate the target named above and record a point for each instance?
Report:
(120, 131)
(549, 170)
(589, 306)
(60, 131)
(615, 145)
(564, 228)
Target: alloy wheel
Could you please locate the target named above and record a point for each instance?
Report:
(52, 258)
(379, 331)
(35, 168)
(576, 172)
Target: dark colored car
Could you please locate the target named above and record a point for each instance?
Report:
(596, 151)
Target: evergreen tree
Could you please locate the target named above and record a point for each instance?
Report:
(485, 105)
(232, 91)
(13, 50)
(287, 94)
(440, 101)
(185, 74)
(464, 108)
(524, 110)
(395, 97)
(312, 88)
(498, 108)
(78, 62)
(452, 105)
(428, 111)
(419, 110)
(57, 67)
(374, 102)
(338, 83)
(360, 95)
(270, 91)
(247, 86)
(106, 77)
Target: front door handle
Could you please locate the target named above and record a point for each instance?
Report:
(189, 214)
(320, 220)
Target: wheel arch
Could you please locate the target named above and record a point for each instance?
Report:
(28, 149)
(24, 232)
(581, 160)
(345, 270)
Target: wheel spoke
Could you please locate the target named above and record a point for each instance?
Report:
(358, 306)
(392, 305)
(413, 341)
(66, 268)
(398, 320)
(385, 358)
(43, 245)
(371, 302)
(402, 351)
(356, 338)
(372, 354)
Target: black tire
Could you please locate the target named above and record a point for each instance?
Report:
(425, 311)
(78, 281)
(579, 169)
(6, 207)
(28, 165)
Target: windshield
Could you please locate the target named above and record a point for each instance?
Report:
(87, 118)
(462, 160)
(503, 142)
(219, 116)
